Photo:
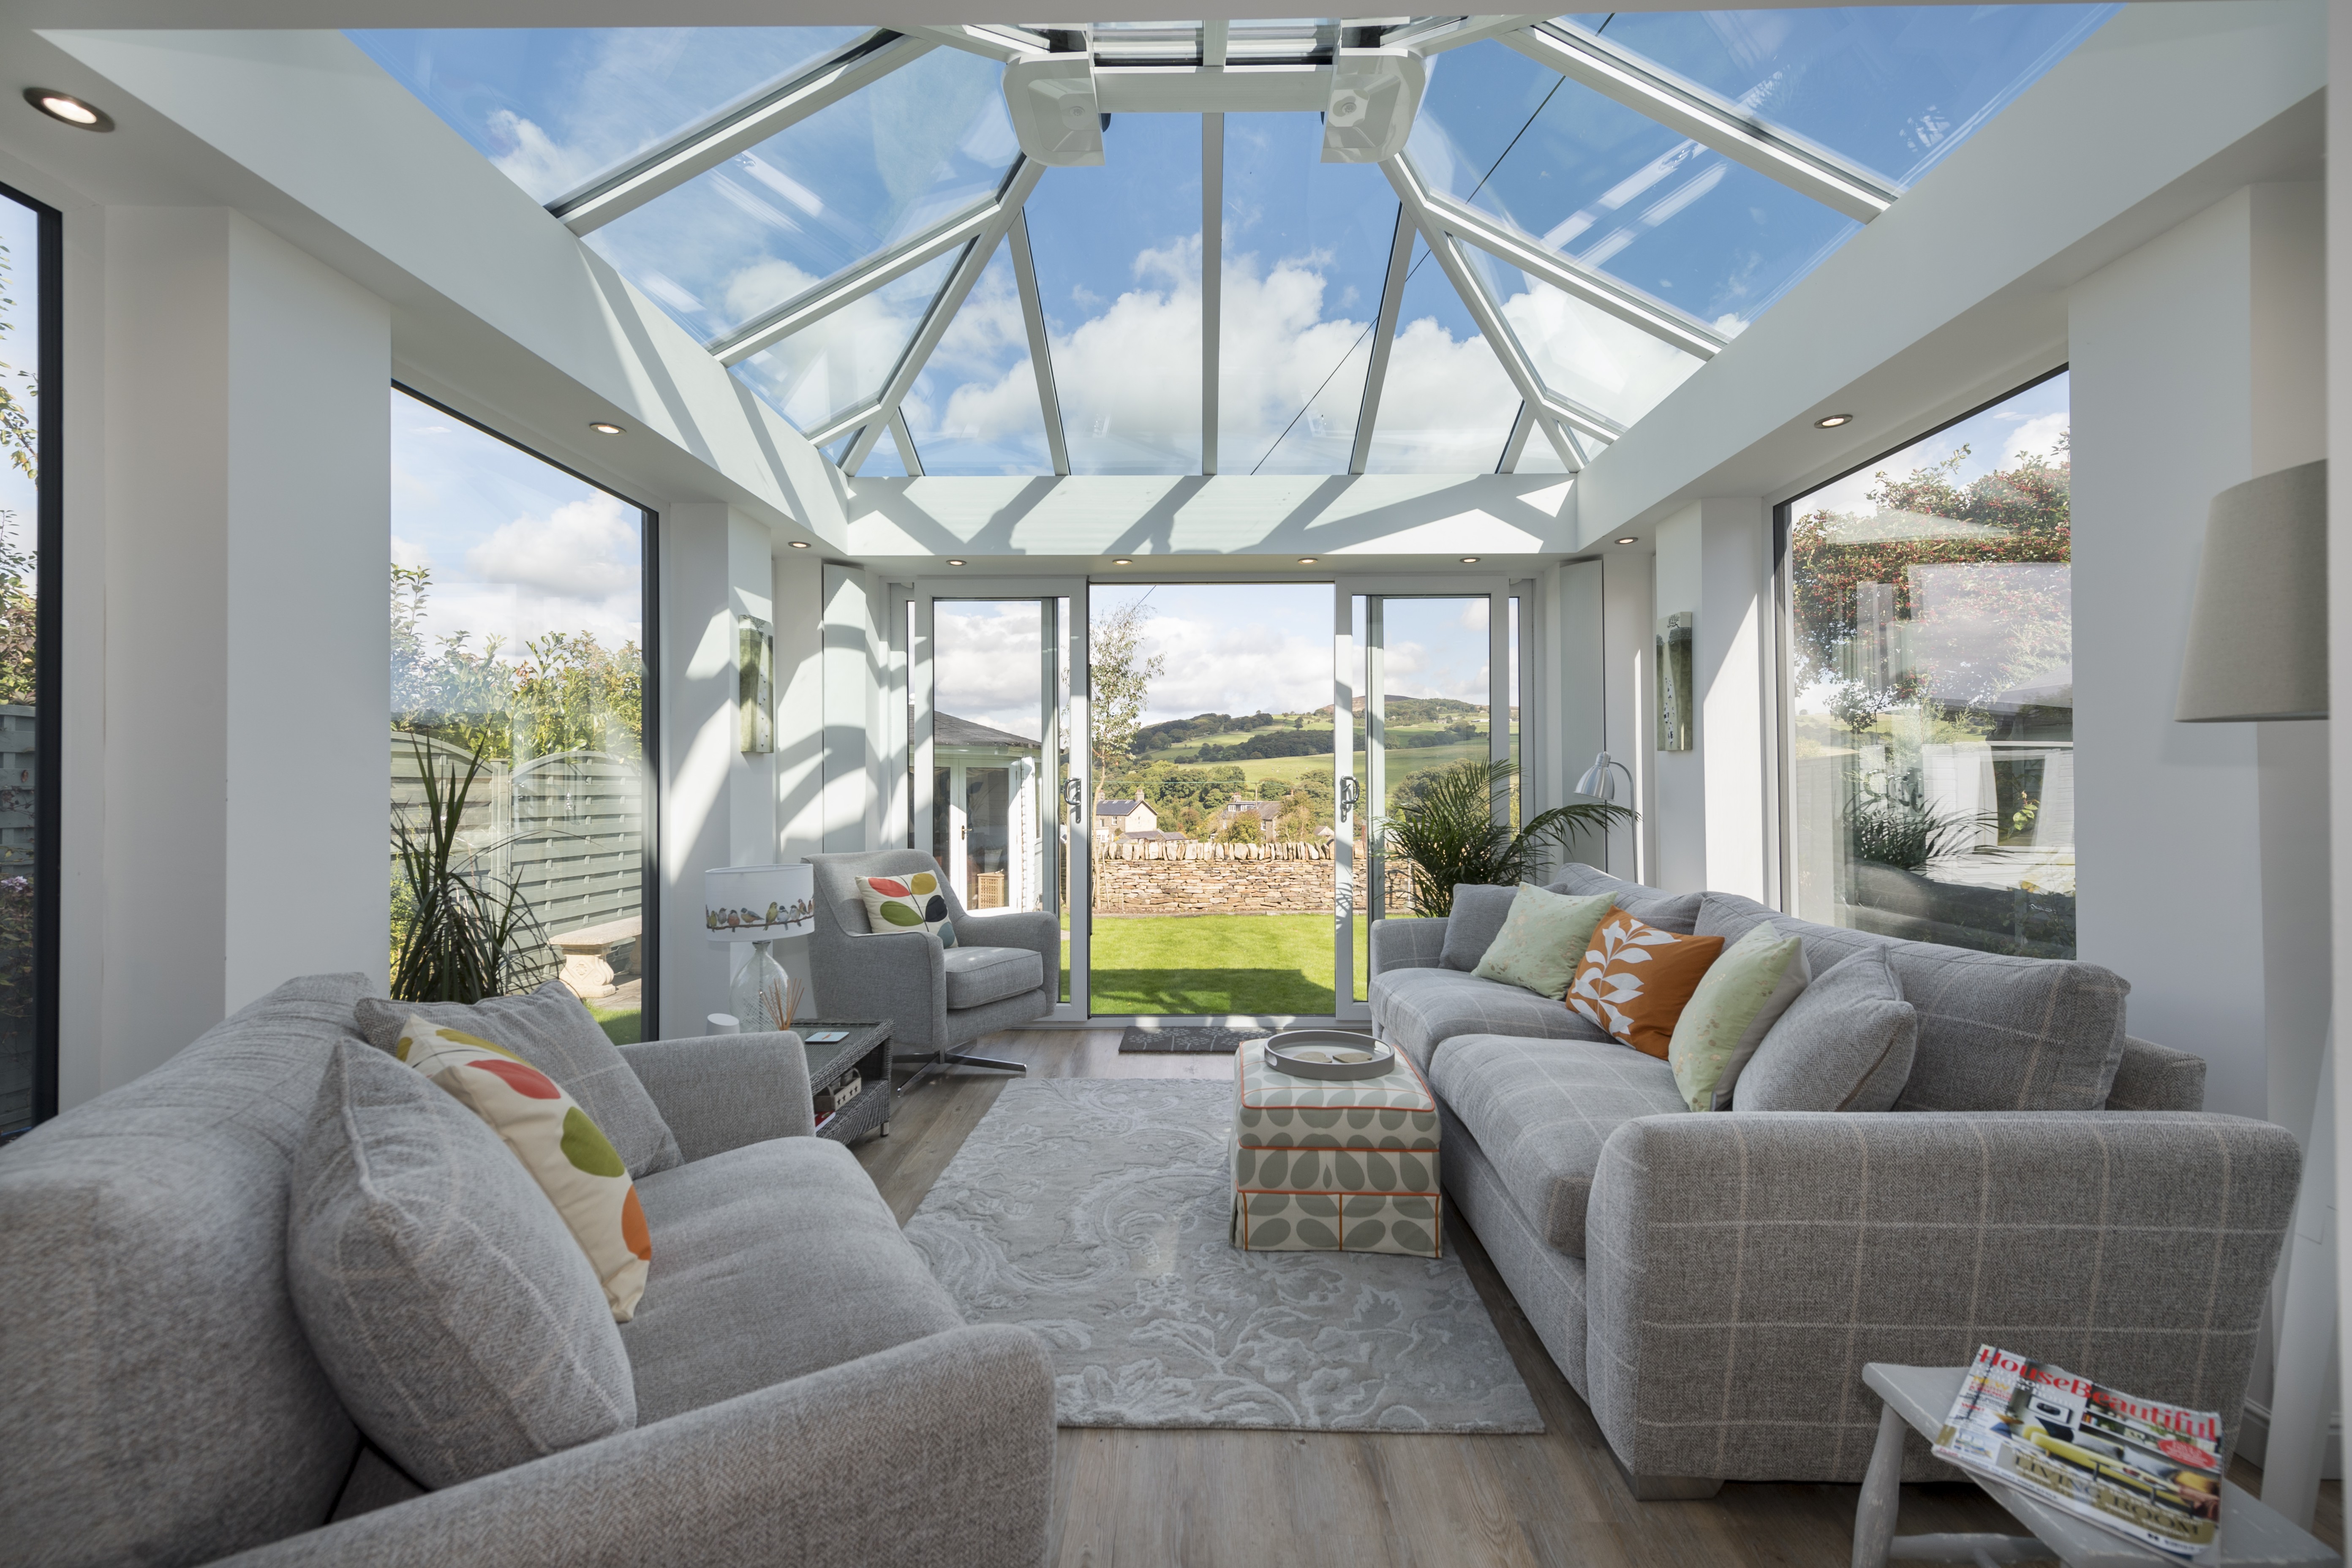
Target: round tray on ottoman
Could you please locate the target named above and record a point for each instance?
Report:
(1327, 1054)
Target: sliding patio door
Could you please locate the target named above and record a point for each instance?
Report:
(1420, 683)
(996, 755)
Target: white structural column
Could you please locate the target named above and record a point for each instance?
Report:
(853, 654)
(718, 804)
(2165, 363)
(246, 771)
(1575, 654)
(1709, 826)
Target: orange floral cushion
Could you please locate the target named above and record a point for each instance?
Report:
(1634, 980)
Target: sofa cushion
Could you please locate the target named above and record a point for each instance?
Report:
(554, 1031)
(1996, 1032)
(1675, 913)
(1541, 1109)
(163, 1404)
(770, 1261)
(441, 1290)
(1743, 995)
(1635, 979)
(1421, 1009)
(1845, 1043)
(1542, 939)
(977, 975)
(1479, 912)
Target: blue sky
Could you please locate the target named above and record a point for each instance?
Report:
(1117, 247)
(517, 548)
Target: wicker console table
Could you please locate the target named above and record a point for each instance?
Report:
(867, 1049)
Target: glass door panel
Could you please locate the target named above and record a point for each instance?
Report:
(1417, 665)
(993, 715)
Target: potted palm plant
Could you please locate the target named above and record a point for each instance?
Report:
(1452, 824)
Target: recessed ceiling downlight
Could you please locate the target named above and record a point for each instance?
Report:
(953, 562)
(797, 543)
(1833, 421)
(1121, 560)
(606, 428)
(65, 106)
(1628, 539)
(1469, 560)
(1309, 560)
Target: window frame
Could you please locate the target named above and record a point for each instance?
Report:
(649, 644)
(48, 644)
(1781, 863)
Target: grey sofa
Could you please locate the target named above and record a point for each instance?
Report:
(1004, 970)
(1712, 1284)
(806, 1391)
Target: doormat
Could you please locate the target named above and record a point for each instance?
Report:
(1184, 1038)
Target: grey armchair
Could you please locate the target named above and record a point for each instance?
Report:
(1004, 969)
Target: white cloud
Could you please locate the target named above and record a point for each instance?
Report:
(536, 161)
(985, 660)
(405, 552)
(587, 548)
(2036, 437)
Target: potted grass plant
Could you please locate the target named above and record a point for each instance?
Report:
(460, 933)
(1452, 824)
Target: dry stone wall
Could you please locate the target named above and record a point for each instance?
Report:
(1169, 878)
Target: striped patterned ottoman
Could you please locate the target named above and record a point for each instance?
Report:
(1334, 1167)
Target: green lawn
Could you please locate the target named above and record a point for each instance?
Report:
(1191, 965)
(622, 1028)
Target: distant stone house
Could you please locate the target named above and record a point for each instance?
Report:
(1116, 819)
(1265, 811)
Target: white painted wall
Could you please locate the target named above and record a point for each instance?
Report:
(247, 498)
(1629, 600)
(2166, 362)
(719, 806)
(1710, 810)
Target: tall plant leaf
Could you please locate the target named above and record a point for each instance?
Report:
(1455, 828)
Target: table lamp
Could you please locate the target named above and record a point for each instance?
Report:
(755, 905)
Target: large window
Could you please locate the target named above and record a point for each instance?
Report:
(518, 596)
(31, 529)
(1932, 690)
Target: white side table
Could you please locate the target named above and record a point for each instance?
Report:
(1922, 1396)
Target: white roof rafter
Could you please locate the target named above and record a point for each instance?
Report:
(998, 41)
(1434, 36)
(704, 146)
(1383, 336)
(951, 298)
(1041, 348)
(1709, 120)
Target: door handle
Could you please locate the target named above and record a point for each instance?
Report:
(1074, 793)
(1350, 793)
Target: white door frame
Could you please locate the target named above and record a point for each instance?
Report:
(921, 686)
(1371, 791)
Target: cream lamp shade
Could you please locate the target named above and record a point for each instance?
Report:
(757, 903)
(2258, 635)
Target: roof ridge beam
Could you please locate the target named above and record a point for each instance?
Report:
(951, 298)
(1571, 277)
(1709, 120)
(854, 283)
(704, 146)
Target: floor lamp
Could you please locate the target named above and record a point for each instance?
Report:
(2258, 650)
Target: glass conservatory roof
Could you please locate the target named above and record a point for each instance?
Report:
(1576, 216)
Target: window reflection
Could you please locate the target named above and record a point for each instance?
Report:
(1933, 747)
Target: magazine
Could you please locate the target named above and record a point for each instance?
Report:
(2150, 1472)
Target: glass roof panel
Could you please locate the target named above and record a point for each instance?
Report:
(974, 409)
(1306, 251)
(1582, 351)
(555, 106)
(1119, 271)
(1539, 456)
(1446, 406)
(1615, 189)
(1893, 88)
(924, 142)
(840, 360)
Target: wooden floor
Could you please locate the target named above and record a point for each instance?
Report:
(1272, 1500)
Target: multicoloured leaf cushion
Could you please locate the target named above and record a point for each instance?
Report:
(565, 1151)
(1635, 979)
(1741, 996)
(908, 903)
(1543, 938)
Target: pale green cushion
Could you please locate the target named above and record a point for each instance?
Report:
(1739, 1000)
(1542, 939)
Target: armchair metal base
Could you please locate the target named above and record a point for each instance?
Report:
(961, 1059)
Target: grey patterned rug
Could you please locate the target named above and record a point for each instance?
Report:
(1184, 1038)
(1094, 1212)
